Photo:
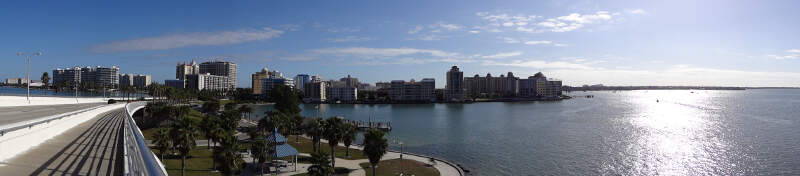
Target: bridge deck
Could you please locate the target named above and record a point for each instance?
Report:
(21, 113)
(91, 148)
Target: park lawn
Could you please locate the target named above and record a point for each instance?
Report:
(393, 167)
(305, 146)
(199, 163)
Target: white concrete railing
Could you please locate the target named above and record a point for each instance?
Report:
(16, 138)
(138, 159)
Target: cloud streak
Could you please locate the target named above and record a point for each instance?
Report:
(188, 40)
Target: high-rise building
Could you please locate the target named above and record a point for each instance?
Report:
(178, 84)
(424, 90)
(126, 80)
(101, 76)
(184, 69)
(268, 84)
(142, 81)
(207, 82)
(350, 81)
(539, 86)
(315, 91)
(345, 94)
(454, 87)
(256, 80)
(502, 86)
(300, 80)
(221, 68)
(71, 76)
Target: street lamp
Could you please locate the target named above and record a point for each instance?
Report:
(28, 77)
(398, 142)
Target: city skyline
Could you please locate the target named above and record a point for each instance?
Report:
(677, 43)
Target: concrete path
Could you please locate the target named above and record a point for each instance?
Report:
(10, 115)
(91, 148)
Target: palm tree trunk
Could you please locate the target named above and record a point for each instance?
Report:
(333, 158)
(374, 171)
(347, 151)
(183, 165)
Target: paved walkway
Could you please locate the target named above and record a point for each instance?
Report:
(91, 148)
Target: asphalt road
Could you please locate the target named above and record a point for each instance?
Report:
(21, 113)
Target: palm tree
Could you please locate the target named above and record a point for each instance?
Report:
(46, 80)
(212, 131)
(228, 154)
(374, 147)
(162, 141)
(314, 130)
(210, 107)
(185, 132)
(333, 133)
(298, 127)
(348, 136)
(258, 146)
(320, 164)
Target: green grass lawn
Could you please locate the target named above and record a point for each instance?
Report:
(305, 147)
(395, 166)
(199, 163)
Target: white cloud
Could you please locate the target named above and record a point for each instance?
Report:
(448, 26)
(533, 24)
(540, 64)
(350, 39)
(381, 52)
(560, 45)
(538, 42)
(415, 30)
(510, 40)
(503, 55)
(638, 11)
(474, 31)
(187, 40)
(791, 54)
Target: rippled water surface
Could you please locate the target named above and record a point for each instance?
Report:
(685, 132)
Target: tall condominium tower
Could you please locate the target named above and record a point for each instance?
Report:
(221, 68)
(184, 69)
(454, 87)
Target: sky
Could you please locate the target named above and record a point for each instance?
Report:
(683, 42)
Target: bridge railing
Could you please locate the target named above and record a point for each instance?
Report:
(138, 159)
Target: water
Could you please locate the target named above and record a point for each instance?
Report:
(753, 132)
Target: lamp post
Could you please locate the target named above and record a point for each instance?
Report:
(28, 74)
(398, 142)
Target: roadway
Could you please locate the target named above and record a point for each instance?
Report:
(15, 114)
(91, 148)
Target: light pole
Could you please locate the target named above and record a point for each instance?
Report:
(28, 74)
(398, 142)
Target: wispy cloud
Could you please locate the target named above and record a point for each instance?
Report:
(790, 54)
(638, 11)
(503, 55)
(416, 29)
(187, 40)
(540, 64)
(381, 52)
(350, 39)
(538, 42)
(537, 24)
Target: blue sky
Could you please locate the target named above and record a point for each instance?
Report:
(711, 43)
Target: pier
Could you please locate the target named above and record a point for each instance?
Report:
(364, 125)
